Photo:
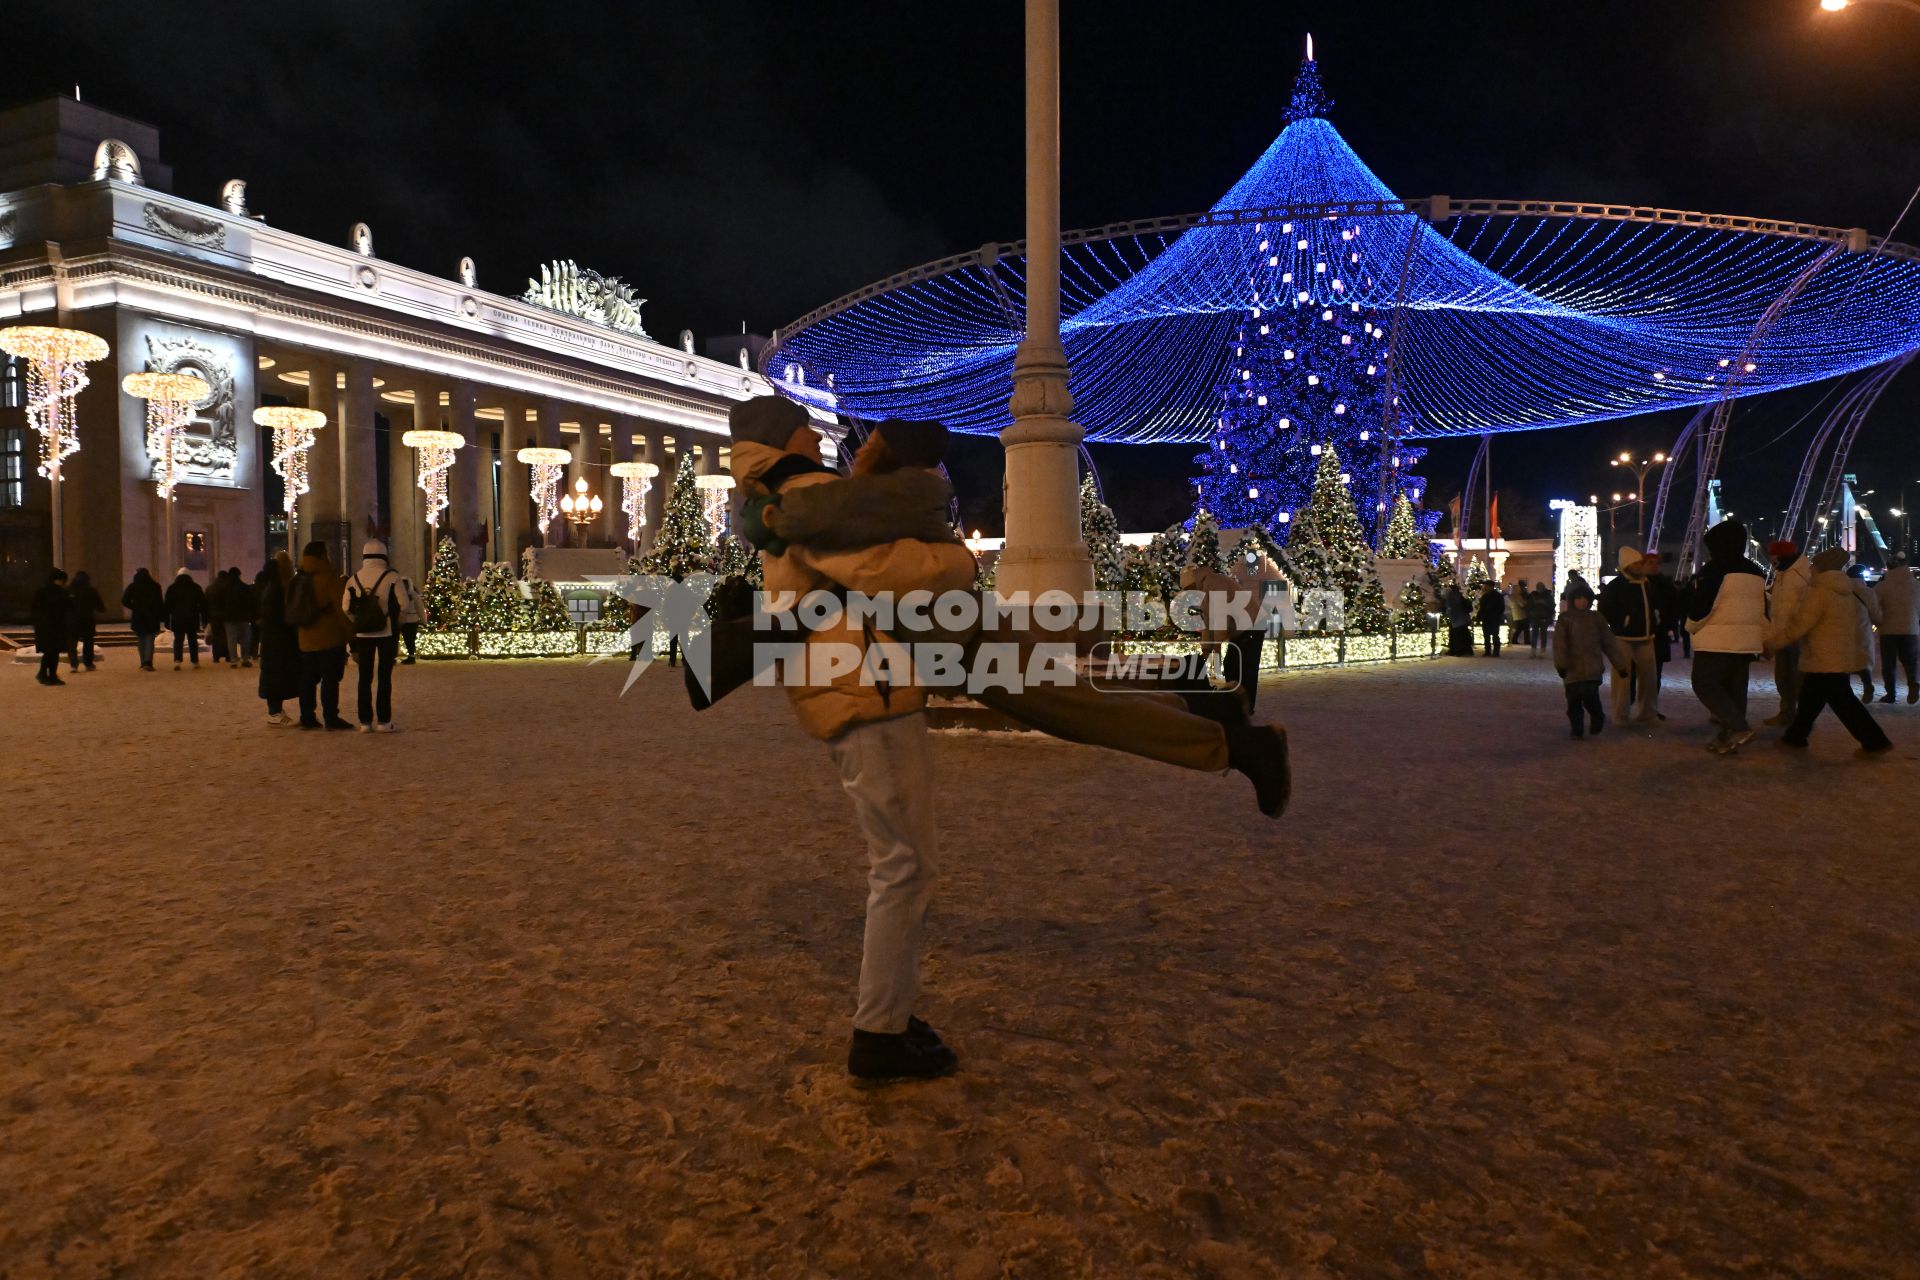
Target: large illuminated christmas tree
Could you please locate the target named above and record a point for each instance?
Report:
(684, 544)
(1308, 367)
(1328, 550)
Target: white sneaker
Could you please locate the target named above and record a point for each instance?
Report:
(386, 728)
(279, 717)
(366, 728)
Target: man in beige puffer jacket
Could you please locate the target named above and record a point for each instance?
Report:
(1827, 627)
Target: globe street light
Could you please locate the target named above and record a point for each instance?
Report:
(580, 508)
(1639, 470)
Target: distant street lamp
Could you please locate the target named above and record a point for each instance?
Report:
(580, 508)
(1639, 470)
(1835, 6)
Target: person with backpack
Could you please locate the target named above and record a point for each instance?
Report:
(313, 606)
(145, 608)
(85, 604)
(186, 611)
(373, 601)
(410, 618)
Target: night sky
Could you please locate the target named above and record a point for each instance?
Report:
(745, 162)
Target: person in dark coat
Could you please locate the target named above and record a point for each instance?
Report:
(84, 605)
(52, 608)
(145, 608)
(1459, 623)
(186, 613)
(279, 639)
(230, 606)
(1539, 617)
(1492, 613)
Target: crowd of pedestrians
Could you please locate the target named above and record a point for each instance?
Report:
(300, 624)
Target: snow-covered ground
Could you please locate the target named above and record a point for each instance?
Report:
(554, 983)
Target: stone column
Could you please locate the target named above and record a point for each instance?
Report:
(322, 502)
(359, 467)
(514, 500)
(656, 453)
(1044, 549)
(406, 532)
(463, 482)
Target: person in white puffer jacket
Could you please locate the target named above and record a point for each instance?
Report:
(1792, 575)
(1899, 597)
(372, 600)
(1727, 617)
(1827, 625)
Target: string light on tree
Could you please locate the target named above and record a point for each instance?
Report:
(636, 481)
(294, 431)
(56, 361)
(544, 466)
(436, 450)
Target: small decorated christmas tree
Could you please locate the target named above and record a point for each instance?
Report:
(1442, 576)
(546, 611)
(1203, 546)
(1410, 611)
(496, 599)
(1404, 540)
(446, 601)
(1328, 551)
(1367, 610)
(684, 544)
(1477, 577)
(1102, 534)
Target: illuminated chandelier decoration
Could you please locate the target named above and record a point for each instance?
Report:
(294, 431)
(171, 399)
(713, 501)
(636, 479)
(580, 508)
(545, 466)
(1502, 315)
(56, 362)
(436, 450)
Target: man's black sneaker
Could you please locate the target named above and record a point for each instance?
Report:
(338, 725)
(913, 1054)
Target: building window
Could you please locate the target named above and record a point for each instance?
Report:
(13, 467)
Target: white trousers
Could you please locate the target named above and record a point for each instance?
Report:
(1644, 663)
(886, 768)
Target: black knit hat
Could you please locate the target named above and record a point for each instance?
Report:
(769, 420)
(914, 443)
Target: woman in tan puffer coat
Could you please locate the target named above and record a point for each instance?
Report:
(1828, 624)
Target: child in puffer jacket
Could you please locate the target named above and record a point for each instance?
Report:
(1583, 647)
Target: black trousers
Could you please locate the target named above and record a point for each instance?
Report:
(1490, 638)
(320, 673)
(376, 657)
(187, 640)
(1901, 651)
(1583, 706)
(1822, 689)
(1460, 641)
(1243, 663)
(410, 633)
(83, 645)
(50, 663)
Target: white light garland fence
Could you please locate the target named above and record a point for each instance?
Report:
(713, 502)
(294, 431)
(436, 450)
(545, 466)
(56, 362)
(171, 398)
(636, 478)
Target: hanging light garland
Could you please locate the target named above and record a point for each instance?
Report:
(636, 479)
(545, 464)
(293, 434)
(436, 450)
(713, 501)
(171, 399)
(56, 372)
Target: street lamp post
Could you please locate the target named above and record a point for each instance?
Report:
(1640, 470)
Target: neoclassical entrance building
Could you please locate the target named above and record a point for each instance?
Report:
(92, 238)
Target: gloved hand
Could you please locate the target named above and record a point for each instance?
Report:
(751, 524)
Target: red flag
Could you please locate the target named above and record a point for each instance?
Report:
(1494, 517)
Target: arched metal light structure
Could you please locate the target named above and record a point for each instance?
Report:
(636, 479)
(544, 466)
(1501, 315)
(171, 399)
(436, 450)
(56, 361)
(294, 431)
